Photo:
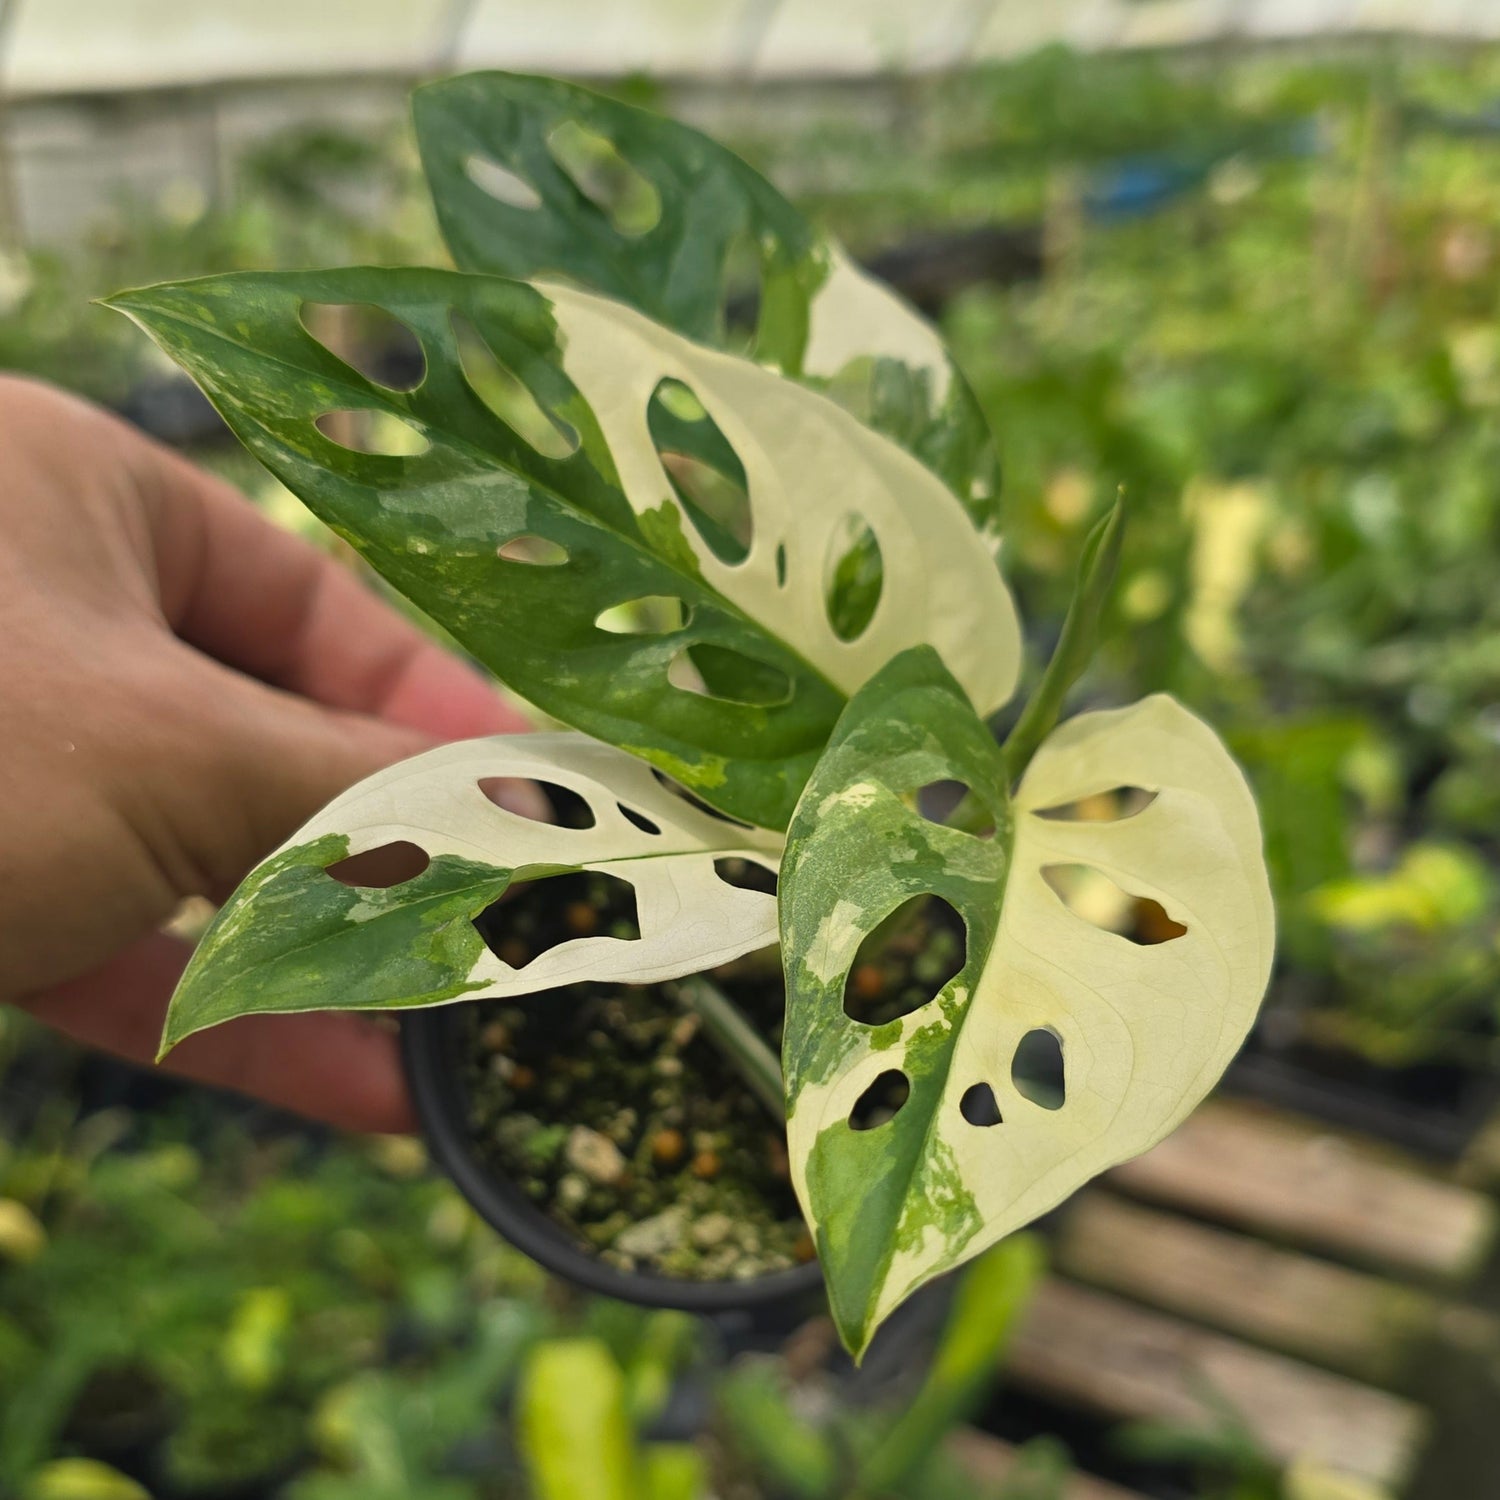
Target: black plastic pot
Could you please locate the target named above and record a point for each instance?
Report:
(429, 1045)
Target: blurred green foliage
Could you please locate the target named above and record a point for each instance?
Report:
(215, 1292)
(576, 1417)
(264, 1311)
(867, 1455)
(259, 1305)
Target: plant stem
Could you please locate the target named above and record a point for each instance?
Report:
(1075, 647)
(739, 1040)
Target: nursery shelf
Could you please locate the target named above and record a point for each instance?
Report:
(1262, 1265)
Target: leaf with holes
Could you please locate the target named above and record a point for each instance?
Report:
(535, 177)
(296, 937)
(1142, 1012)
(575, 457)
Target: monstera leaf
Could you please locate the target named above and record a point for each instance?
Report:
(534, 177)
(564, 458)
(297, 937)
(977, 1149)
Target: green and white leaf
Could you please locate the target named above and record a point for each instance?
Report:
(432, 522)
(808, 465)
(294, 938)
(698, 214)
(1144, 1030)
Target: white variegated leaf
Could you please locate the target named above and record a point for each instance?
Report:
(808, 465)
(1144, 1031)
(294, 938)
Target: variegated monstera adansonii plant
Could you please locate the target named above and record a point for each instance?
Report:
(771, 576)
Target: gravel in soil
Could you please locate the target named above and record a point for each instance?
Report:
(617, 1115)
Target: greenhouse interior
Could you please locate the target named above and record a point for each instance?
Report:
(862, 640)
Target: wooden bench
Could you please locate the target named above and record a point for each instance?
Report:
(1262, 1264)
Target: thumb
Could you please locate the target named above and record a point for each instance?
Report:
(251, 767)
(322, 752)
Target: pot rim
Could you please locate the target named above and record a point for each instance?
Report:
(439, 1100)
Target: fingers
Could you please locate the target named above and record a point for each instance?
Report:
(268, 603)
(235, 767)
(212, 770)
(337, 1068)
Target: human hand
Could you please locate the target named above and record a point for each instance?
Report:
(182, 684)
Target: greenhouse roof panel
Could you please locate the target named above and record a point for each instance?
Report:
(604, 37)
(61, 46)
(84, 46)
(812, 37)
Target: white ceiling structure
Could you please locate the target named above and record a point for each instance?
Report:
(81, 46)
(104, 101)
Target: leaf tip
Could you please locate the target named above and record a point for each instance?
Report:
(167, 1043)
(131, 303)
(855, 1337)
(172, 1032)
(185, 1014)
(854, 1314)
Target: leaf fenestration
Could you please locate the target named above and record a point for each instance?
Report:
(438, 524)
(296, 937)
(818, 316)
(1143, 1031)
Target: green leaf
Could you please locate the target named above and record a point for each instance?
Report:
(719, 230)
(295, 938)
(673, 1471)
(674, 271)
(1144, 1031)
(82, 1479)
(1078, 641)
(771, 1432)
(993, 1294)
(1307, 1479)
(1434, 888)
(253, 1352)
(604, 525)
(572, 1426)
